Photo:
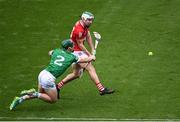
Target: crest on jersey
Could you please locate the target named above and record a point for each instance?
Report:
(80, 34)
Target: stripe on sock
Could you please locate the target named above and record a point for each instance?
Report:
(61, 84)
(100, 87)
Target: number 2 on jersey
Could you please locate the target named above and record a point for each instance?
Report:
(59, 60)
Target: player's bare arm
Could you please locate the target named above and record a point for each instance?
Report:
(90, 42)
(81, 45)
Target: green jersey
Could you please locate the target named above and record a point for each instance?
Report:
(60, 61)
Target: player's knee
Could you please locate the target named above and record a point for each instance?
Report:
(77, 74)
(53, 100)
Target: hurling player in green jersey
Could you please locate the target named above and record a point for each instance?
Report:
(61, 59)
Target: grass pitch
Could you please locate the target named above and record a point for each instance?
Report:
(147, 87)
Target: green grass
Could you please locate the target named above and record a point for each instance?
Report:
(147, 87)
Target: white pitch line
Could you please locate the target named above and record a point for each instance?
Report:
(83, 119)
(70, 119)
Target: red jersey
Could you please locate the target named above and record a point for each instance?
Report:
(78, 32)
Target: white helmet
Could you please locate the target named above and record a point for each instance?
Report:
(87, 15)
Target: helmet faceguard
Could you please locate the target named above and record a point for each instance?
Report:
(87, 18)
(87, 15)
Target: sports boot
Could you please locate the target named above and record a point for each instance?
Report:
(28, 92)
(14, 103)
(106, 91)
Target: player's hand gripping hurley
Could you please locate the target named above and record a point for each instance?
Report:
(97, 39)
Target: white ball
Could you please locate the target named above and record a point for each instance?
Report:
(150, 53)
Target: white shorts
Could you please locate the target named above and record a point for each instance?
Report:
(81, 54)
(46, 80)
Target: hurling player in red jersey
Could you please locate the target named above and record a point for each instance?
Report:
(80, 33)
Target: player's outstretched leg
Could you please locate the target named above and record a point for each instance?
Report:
(28, 92)
(14, 103)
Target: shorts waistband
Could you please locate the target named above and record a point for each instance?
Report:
(51, 74)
